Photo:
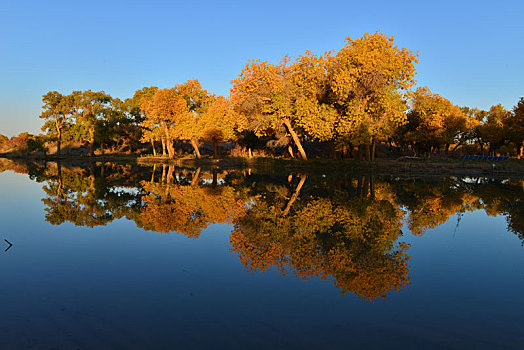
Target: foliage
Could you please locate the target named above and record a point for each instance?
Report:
(357, 96)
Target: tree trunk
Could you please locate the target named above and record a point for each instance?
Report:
(365, 187)
(215, 149)
(58, 127)
(294, 135)
(372, 187)
(481, 147)
(169, 143)
(332, 150)
(163, 147)
(92, 142)
(368, 152)
(373, 149)
(153, 174)
(153, 145)
(290, 150)
(170, 149)
(456, 146)
(58, 143)
(195, 146)
(92, 178)
(170, 171)
(360, 152)
(194, 181)
(414, 148)
(215, 178)
(59, 187)
(295, 195)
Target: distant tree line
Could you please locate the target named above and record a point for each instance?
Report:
(346, 102)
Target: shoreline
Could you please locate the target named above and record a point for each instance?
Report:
(448, 166)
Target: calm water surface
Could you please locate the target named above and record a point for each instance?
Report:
(110, 256)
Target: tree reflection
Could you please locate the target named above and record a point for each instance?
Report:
(430, 203)
(347, 238)
(85, 197)
(342, 228)
(177, 203)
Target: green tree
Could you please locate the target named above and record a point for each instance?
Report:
(58, 112)
(89, 109)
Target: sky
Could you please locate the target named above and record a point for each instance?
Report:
(471, 52)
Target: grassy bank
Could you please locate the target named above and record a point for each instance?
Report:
(381, 166)
(450, 166)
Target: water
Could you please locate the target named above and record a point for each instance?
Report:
(109, 256)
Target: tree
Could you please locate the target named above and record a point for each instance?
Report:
(264, 93)
(313, 109)
(198, 101)
(123, 126)
(370, 76)
(58, 111)
(342, 236)
(221, 122)
(432, 122)
(516, 127)
(89, 108)
(474, 118)
(168, 110)
(495, 129)
(176, 112)
(170, 205)
(37, 144)
(151, 131)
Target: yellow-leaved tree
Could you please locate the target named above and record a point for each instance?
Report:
(370, 76)
(433, 122)
(264, 93)
(220, 122)
(313, 109)
(168, 110)
(197, 102)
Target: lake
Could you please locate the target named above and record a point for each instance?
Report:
(121, 256)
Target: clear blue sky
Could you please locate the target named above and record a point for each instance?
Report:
(471, 52)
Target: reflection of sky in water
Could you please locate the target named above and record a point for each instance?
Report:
(118, 286)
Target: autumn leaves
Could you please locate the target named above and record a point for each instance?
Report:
(188, 112)
(354, 98)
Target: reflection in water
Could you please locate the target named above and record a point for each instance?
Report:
(348, 235)
(179, 203)
(343, 228)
